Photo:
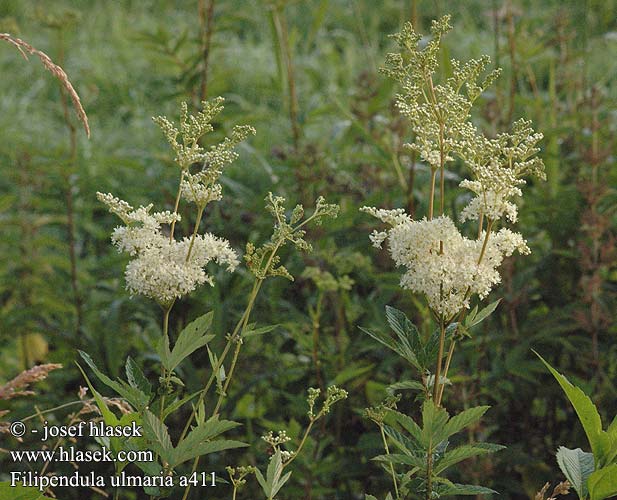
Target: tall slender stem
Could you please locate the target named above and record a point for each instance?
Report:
(432, 193)
(316, 315)
(164, 374)
(70, 212)
(176, 205)
(282, 33)
(442, 338)
(237, 337)
(206, 18)
(442, 163)
(489, 227)
(385, 445)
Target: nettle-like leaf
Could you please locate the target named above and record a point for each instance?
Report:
(408, 342)
(447, 488)
(274, 480)
(136, 377)
(603, 443)
(200, 441)
(416, 443)
(116, 444)
(130, 391)
(406, 385)
(577, 466)
(476, 317)
(252, 330)
(191, 338)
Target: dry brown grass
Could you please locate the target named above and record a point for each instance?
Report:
(25, 49)
(19, 385)
(562, 488)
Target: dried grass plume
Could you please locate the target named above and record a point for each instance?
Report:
(55, 70)
(19, 385)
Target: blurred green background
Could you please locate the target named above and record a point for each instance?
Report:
(305, 75)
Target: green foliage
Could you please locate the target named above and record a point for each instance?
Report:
(200, 441)
(191, 338)
(424, 449)
(593, 473)
(274, 479)
(8, 492)
(145, 58)
(577, 466)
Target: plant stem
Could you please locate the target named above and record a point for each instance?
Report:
(200, 212)
(442, 338)
(429, 473)
(442, 163)
(164, 374)
(70, 212)
(316, 315)
(489, 227)
(177, 204)
(385, 445)
(206, 18)
(282, 34)
(304, 438)
(432, 193)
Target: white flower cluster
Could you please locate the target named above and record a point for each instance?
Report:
(493, 204)
(444, 265)
(199, 189)
(163, 269)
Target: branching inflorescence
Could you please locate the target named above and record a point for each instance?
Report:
(440, 263)
(164, 268)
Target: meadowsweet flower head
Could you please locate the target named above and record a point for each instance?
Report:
(164, 269)
(200, 190)
(443, 265)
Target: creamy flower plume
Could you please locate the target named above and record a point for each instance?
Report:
(450, 277)
(163, 269)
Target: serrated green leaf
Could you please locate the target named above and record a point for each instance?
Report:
(391, 344)
(108, 417)
(603, 483)
(482, 315)
(133, 395)
(406, 385)
(273, 481)
(191, 338)
(369, 497)
(587, 414)
(464, 489)
(136, 377)
(184, 453)
(577, 466)
(409, 425)
(399, 458)
(157, 435)
(194, 444)
(408, 336)
(177, 404)
(464, 419)
(458, 455)
(401, 441)
(434, 420)
(251, 331)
